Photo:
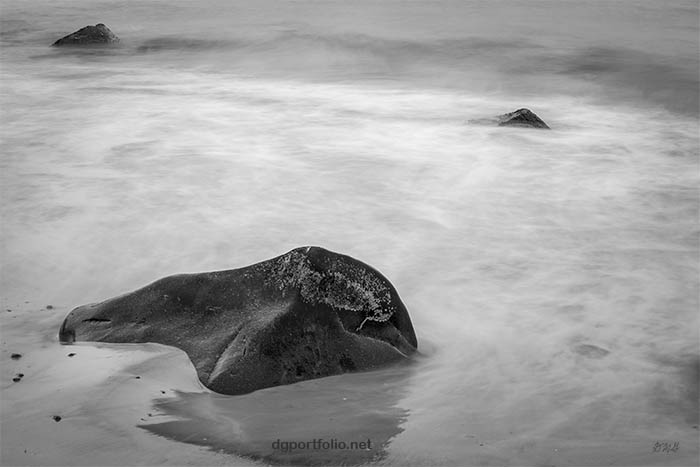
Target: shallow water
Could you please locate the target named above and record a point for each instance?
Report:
(552, 276)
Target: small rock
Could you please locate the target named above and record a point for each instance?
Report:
(162, 392)
(16, 379)
(16, 356)
(522, 117)
(49, 307)
(518, 118)
(137, 377)
(71, 354)
(56, 418)
(89, 35)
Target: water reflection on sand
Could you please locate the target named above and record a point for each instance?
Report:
(339, 409)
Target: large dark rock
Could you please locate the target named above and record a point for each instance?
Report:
(306, 314)
(521, 117)
(89, 35)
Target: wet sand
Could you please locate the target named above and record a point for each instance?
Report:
(128, 404)
(101, 394)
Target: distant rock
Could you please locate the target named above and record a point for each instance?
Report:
(89, 35)
(306, 314)
(521, 118)
(591, 351)
(16, 356)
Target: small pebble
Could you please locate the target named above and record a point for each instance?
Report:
(71, 354)
(16, 379)
(162, 392)
(49, 307)
(16, 356)
(137, 377)
(56, 418)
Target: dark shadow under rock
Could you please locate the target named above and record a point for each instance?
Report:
(306, 314)
(89, 35)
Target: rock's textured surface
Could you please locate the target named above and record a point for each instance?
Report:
(521, 117)
(306, 314)
(89, 35)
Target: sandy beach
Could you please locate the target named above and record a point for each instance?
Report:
(101, 394)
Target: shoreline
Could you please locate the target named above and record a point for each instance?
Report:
(142, 404)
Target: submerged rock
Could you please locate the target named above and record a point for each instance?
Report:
(89, 35)
(591, 351)
(521, 117)
(306, 314)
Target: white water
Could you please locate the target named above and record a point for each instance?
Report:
(219, 135)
